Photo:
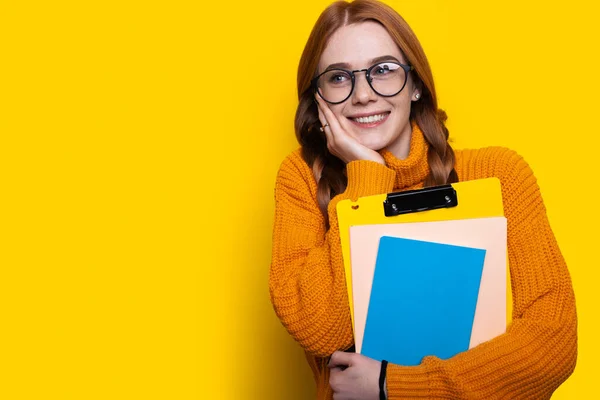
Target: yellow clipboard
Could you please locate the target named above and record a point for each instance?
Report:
(479, 198)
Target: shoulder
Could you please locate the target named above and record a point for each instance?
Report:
(293, 167)
(293, 162)
(519, 185)
(295, 175)
(499, 162)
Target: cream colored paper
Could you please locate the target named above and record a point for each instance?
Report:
(484, 233)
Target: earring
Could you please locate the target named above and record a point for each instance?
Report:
(417, 96)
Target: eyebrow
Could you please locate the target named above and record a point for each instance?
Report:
(373, 61)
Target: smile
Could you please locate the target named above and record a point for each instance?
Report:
(371, 120)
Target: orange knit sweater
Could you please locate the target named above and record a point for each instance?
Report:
(307, 284)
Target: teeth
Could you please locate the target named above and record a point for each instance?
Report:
(370, 119)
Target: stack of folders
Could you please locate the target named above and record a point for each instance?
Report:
(430, 282)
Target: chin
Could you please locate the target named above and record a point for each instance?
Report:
(376, 148)
(375, 144)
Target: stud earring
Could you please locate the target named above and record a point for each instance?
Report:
(417, 96)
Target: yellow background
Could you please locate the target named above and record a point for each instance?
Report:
(139, 142)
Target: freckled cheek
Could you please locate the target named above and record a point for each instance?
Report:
(402, 103)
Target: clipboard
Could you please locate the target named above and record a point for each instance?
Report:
(479, 198)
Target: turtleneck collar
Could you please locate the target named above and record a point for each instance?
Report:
(412, 171)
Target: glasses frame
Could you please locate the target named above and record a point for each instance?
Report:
(367, 71)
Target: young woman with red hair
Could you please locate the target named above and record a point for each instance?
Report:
(368, 123)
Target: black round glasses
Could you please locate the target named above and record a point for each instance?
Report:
(387, 79)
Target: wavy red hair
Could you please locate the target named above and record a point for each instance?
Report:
(328, 169)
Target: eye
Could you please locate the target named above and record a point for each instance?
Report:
(382, 69)
(337, 77)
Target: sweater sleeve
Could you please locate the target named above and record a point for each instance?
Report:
(539, 349)
(307, 281)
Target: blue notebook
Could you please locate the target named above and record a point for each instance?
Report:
(423, 300)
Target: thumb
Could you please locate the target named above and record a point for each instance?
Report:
(340, 359)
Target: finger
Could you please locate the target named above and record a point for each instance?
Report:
(325, 127)
(335, 378)
(323, 108)
(340, 359)
(333, 371)
(320, 110)
(322, 117)
(334, 124)
(330, 134)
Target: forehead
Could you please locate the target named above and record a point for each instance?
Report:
(357, 44)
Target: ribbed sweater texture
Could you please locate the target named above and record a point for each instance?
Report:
(308, 290)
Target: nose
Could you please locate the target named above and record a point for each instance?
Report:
(363, 93)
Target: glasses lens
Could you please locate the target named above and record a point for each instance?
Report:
(335, 85)
(387, 78)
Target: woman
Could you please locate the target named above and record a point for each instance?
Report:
(368, 123)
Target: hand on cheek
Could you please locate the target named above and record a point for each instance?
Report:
(340, 143)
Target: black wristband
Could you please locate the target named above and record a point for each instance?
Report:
(382, 379)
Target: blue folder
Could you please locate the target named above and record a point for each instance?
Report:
(423, 300)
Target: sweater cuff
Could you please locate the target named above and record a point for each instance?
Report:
(422, 381)
(366, 178)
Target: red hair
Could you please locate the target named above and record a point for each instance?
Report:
(328, 169)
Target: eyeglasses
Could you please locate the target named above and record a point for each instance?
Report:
(387, 79)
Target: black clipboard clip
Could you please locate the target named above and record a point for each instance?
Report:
(425, 199)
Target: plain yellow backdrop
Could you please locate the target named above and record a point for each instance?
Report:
(139, 142)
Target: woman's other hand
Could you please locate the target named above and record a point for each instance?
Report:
(339, 142)
(354, 376)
